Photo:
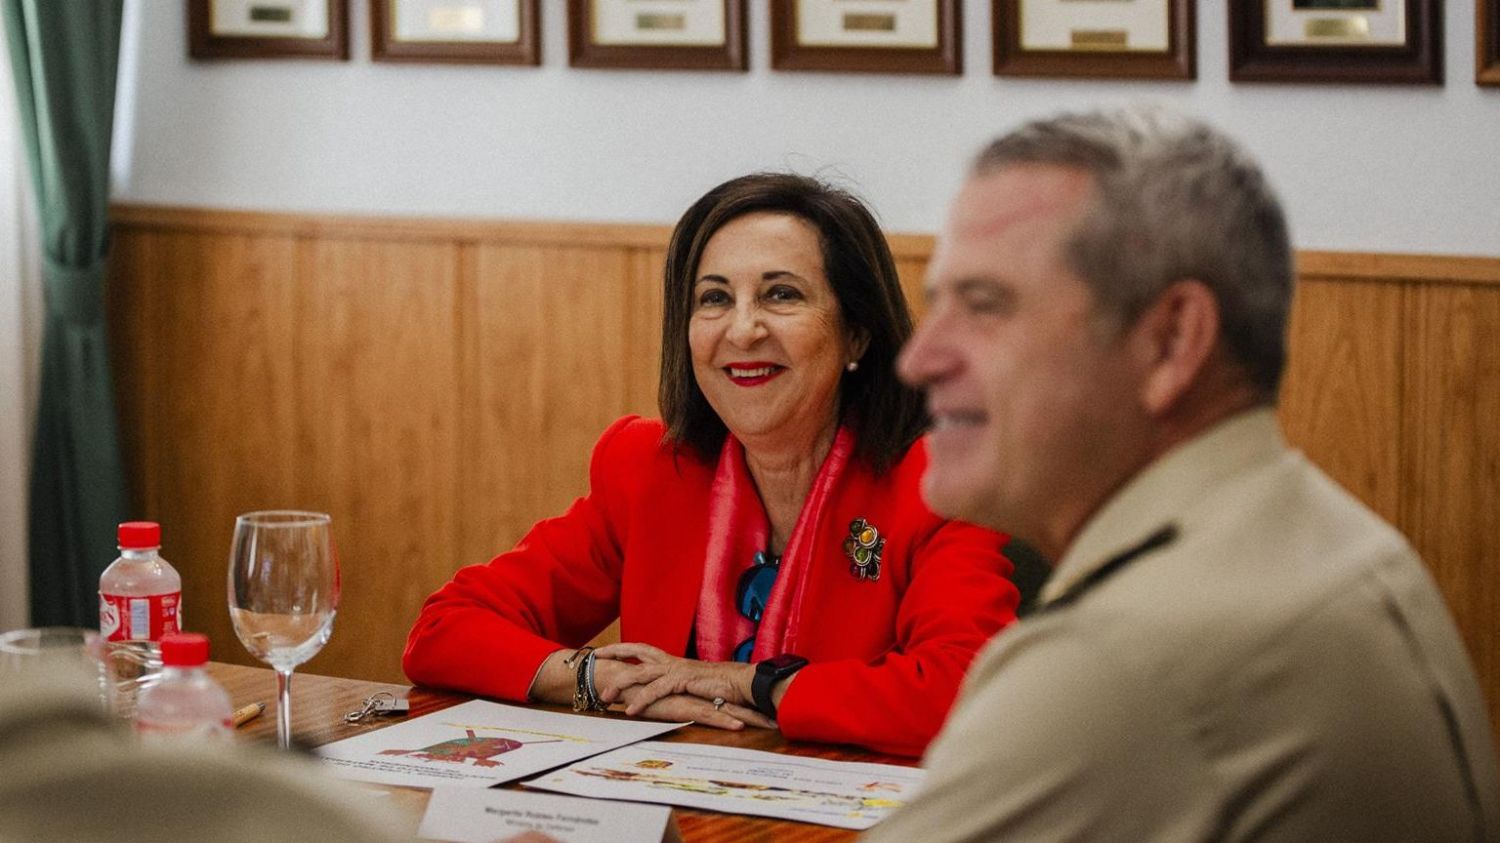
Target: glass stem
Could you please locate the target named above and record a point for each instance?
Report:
(284, 708)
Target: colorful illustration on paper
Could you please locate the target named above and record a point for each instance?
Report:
(854, 806)
(471, 748)
(741, 781)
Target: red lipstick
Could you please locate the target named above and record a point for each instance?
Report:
(752, 372)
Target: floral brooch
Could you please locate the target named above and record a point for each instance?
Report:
(863, 547)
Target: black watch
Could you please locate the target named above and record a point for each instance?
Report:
(767, 674)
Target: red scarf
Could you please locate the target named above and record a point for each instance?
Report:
(738, 528)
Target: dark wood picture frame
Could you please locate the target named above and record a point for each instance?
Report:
(1417, 62)
(203, 43)
(583, 51)
(1179, 61)
(525, 50)
(1487, 42)
(944, 59)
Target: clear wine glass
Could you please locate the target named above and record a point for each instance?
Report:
(283, 593)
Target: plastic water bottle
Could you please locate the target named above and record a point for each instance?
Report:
(185, 701)
(140, 600)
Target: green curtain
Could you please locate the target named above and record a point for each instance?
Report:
(63, 54)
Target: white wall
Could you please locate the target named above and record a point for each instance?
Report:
(1383, 168)
(20, 352)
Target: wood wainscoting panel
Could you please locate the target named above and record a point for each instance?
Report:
(913, 274)
(643, 326)
(1341, 394)
(1450, 467)
(377, 418)
(550, 355)
(210, 420)
(1389, 268)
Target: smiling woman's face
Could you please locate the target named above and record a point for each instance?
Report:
(768, 343)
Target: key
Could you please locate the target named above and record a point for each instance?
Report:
(382, 703)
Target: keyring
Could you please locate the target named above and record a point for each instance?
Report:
(383, 702)
(365, 710)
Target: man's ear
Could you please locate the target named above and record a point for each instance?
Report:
(1174, 340)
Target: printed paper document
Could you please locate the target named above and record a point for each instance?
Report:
(465, 815)
(478, 744)
(741, 781)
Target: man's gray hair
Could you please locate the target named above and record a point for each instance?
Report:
(1175, 199)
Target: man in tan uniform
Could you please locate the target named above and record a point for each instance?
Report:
(1230, 647)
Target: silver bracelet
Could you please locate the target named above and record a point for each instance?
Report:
(590, 690)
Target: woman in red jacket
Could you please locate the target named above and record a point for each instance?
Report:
(765, 546)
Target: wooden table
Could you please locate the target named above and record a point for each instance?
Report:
(320, 702)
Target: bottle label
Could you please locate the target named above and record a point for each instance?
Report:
(123, 618)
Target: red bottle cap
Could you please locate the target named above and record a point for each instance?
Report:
(139, 535)
(184, 649)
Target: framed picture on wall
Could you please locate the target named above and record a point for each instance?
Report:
(657, 34)
(867, 36)
(1094, 38)
(456, 31)
(1487, 42)
(1336, 41)
(256, 29)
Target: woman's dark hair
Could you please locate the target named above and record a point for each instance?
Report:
(885, 415)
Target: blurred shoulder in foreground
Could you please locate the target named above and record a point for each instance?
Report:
(72, 773)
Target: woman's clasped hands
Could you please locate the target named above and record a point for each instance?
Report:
(659, 686)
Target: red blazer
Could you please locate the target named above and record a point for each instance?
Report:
(886, 656)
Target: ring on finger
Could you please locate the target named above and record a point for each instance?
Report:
(718, 703)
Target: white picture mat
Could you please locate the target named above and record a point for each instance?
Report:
(309, 19)
(456, 20)
(393, 755)
(820, 23)
(465, 815)
(1286, 26)
(1049, 24)
(616, 23)
(843, 794)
